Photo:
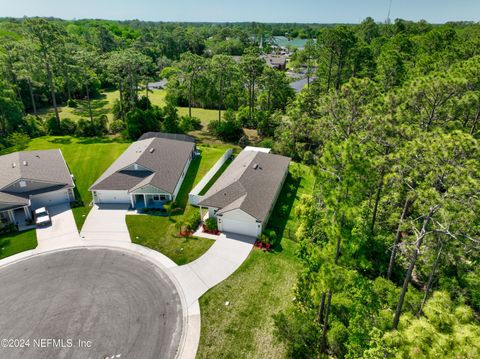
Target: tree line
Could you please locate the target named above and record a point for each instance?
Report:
(390, 239)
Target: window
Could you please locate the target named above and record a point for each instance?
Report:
(163, 197)
(23, 184)
(156, 198)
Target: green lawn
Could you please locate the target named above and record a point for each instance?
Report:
(216, 176)
(100, 106)
(104, 104)
(17, 242)
(159, 233)
(260, 288)
(87, 160)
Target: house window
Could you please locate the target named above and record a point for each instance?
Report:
(156, 198)
(163, 197)
(23, 184)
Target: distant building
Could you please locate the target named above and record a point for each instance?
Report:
(278, 62)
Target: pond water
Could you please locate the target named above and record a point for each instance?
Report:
(296, 43)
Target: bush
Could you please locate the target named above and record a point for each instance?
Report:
(18, 140)
(268, 236)
(211, 224)
(244, 141)
(188, 123)
(117, 126)
(266, 142)
(192, 221)
(67, 126)
(229, 130)
(53, 127)
(144, 103)
(72, 103)
(95, 128)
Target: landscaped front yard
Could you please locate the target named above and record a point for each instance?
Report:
(160, 232)
(17, 242)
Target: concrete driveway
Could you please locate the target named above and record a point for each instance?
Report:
(118, 305)
(106, 222)
(62, 229)
(222, 259)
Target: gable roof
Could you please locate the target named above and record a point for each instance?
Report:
(250, 183)
(46, 166)
(162, 161)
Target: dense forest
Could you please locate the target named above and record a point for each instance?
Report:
(389, 122)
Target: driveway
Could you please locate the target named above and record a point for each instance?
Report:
(106, 222)
(118, 304)
(222, 259)
(62, 229)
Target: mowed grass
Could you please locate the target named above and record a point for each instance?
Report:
(104, 103)
(17, 242)
(100, 106)
(160, 233)
(260, 288)
(87, 160)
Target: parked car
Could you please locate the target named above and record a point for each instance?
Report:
(42, 217)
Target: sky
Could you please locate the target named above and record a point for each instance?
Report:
(305, 11)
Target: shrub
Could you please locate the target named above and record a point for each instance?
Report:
(72, 103)
(211, 224)
(229, 130)
(188, 123)
(67, 126)
(53, 127)
(192, 221)
(95, 128)
(266, 142)
(117, 126)
(18, 140)
(268, 236)
(244, 141)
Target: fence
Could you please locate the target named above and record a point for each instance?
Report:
(193, 196)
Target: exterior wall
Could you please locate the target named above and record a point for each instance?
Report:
(182, 177)
(108, 196)
(50, 198)
(237, 221)
(149, 189)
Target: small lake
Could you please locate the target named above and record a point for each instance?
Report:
(296, 43)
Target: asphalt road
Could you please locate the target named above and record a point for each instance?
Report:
(120, 306)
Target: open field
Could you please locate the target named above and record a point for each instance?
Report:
(87, 159)
(14, 243)
(104, 104)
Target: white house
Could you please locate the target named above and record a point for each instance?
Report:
(149, 173)
(32, 179)
(243, 197)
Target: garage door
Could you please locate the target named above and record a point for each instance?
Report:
(50, 199)
(112, 197)
(247, 228)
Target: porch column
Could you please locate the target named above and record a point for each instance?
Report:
(11, 216)
(145, 200)
(27, 212)
(131, 200)
(201, 215)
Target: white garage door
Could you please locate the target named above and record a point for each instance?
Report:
(112, 197)
(247, 228)
(50, 199)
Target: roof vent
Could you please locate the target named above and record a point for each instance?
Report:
(151, 150)
(25, 163)
(14, 165)
(255, 166)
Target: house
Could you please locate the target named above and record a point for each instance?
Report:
(30, 180)
(278, 62)
(149, 173)
(243, 197)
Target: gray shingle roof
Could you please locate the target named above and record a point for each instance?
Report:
(162, 159)
(250, 183)
(43, 166)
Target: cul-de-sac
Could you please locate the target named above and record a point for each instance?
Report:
(227, 180)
